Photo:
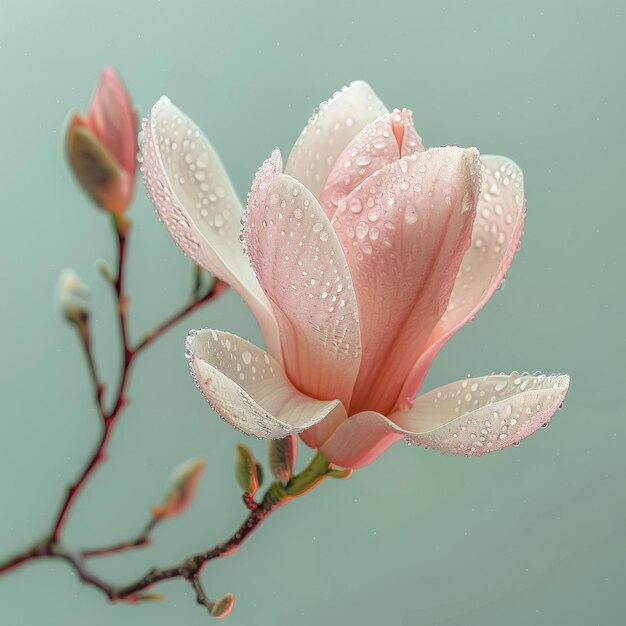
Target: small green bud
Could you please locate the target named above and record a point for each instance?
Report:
(282, 458)
(246, 470)
(148, 596)
(103, 268)
(222, 606)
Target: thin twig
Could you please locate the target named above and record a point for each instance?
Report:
(218, 288)
(50, 546)
(82, 325)
(201, 597)
(143, 539)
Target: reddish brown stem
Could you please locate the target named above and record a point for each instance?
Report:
(85, 336)
(143, 539)
(49, 547)
(107, 419)
(97, 458)
(217, 288)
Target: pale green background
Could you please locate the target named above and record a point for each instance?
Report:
(533, 535)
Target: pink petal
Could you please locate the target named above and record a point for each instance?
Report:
(195, 199)
(301, 267)
(361, 439)
(112, 119)
(329, 131)
(479, 415)
(379, 144)
(315, 436)
(495, 238)
(404, 232)
(248, 387)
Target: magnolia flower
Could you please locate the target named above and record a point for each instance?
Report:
(359, 261)
(102, 148)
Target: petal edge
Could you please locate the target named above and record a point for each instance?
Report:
(248, 388)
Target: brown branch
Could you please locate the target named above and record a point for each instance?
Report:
(201, 597)
(143, 539)
(218, 288)
(190, 569)
(49, 547)
(82, 326)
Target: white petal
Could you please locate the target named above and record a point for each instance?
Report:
(479, 415)
(329, 131)
(248, 387)
(196, 201)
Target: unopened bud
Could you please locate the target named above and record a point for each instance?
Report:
(181, 488)
(246, 471)
(95, 168)
(103, 267)
(222, 606)
(282, 457)
(102, 147)
(73, 296)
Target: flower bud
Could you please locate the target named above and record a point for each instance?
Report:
(102, 148)
(246, 471)
(222, 606)
(73, 296)
(282, 457)
(181, 488)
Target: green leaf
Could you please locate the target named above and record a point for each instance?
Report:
(246, 470)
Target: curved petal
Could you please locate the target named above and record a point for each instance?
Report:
(112, 118)
(303, 271)
(248, 388)
(379, 144)
(361, 439)
(479, 415)
(195, 200)
(328, 132)
(315, 436)
(495, 239)
(404, 232)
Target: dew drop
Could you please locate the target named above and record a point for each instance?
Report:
(355, 205)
